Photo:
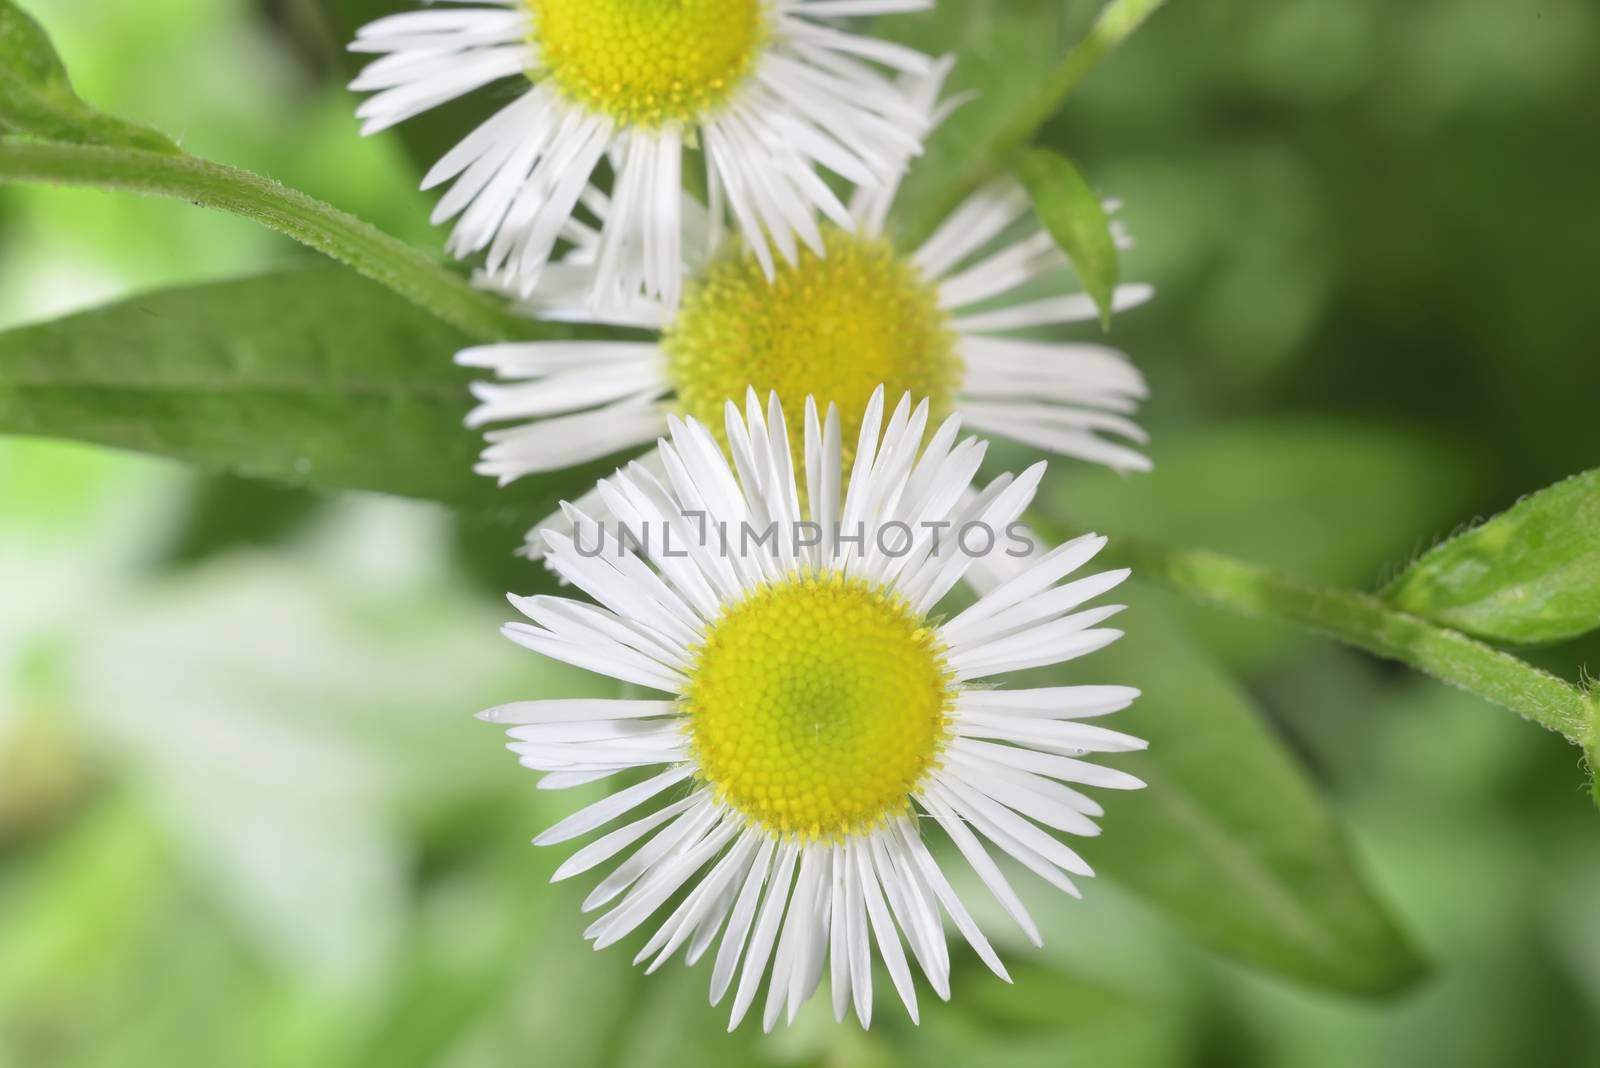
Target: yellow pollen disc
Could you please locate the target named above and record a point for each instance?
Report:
(645, 62)
(817, 704)
(831, 327)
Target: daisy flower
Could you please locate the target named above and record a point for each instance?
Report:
(820, 720)
(768, 90)
(939, 322)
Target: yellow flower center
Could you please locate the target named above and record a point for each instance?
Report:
(832, 327)
(817, 704)
(646, 62)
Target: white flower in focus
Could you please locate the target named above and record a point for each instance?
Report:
(768, 90)
(820, 719)
(939, 323)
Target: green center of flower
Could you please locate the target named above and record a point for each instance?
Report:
(646, 62)
(832, 327)
(817, 704)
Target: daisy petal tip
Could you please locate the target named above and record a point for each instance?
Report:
(1136, 465)
(1117, 576)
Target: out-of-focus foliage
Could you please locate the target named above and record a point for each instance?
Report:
(245, 817)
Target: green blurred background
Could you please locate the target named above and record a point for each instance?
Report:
(246, 818)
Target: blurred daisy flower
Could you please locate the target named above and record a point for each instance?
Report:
(820, 718)
(768, 90)
(938, 323)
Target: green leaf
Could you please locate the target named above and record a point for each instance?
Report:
(1230, 839)
(312, 376)
(320, 226)
(37, 99)
(1073, 214)
(1531, 574)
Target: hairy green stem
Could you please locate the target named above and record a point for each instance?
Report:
(344, 237)
(1369, 623)
(1116, 23)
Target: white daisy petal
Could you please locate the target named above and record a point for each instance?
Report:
(567, 780)
(1067, 769)
(759, 949)
(584, 710)
(711, 923)
(998, 816)
(936, 881)
(564, 441)
(652, 893)
(993, 766)
(701, 903)
(744, 911)
(1022, 849)
(603, 812)
(669, 842)
(1050, 702)
(883, 930)
(913, 910)
(855, 935)
(838, 935)
(1036, 805)
(974, 853)
(604, 849)
(788, 964)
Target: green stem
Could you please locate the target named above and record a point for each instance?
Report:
(338, 234)
(1369, 623)
(1116, 23)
